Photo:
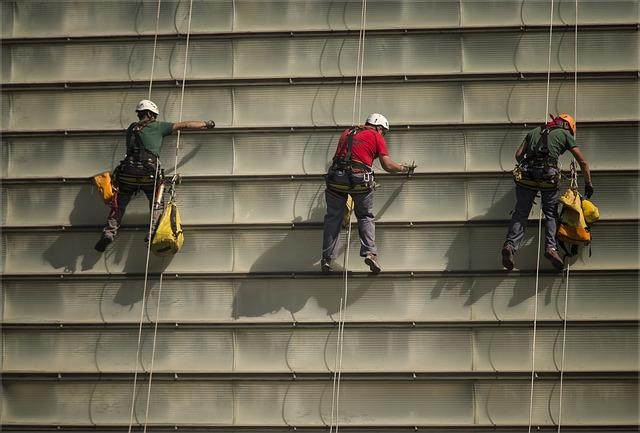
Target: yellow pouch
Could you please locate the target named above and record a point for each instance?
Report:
(590, 211)
(571, 200)
(168, 238)
(573, 235)
(103, 183)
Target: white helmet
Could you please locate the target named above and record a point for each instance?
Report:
(378, 119)
(145, 104)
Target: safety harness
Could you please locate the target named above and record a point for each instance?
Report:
(538, 170)
(341, 176)
(139, 166)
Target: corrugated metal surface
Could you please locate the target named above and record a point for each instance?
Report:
(79, 18)
(410, 54)
(326, 104)
(242, 307)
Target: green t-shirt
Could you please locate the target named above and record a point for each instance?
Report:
(560, 140)
(152, 135)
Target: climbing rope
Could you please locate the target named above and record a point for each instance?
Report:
(149, 235)
(574, 184)
(535, 308)
(357, 101)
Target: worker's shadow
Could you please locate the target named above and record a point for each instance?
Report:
(258, 297)
(63, 252)
(475, 287)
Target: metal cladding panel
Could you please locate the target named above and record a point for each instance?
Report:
(257, 250)
(537, 12)
(78, 18)
(398, 299)
(305, 350)
(295, 201)
(583, 404)
(409, 54)
(327, 105)
(244, 403)
(434, 150)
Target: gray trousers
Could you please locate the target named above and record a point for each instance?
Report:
(118, 209)
(524, 202)
(363, 207)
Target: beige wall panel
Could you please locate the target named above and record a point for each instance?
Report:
(409, 54)
(584, 403)
(525, 101)
(327, 105)
(537, 12)
(503, 298)
(278, 250)
(313, 351)
(114, 17)
(397, 199)
(482, 403)
(437, 150)
(85, 156)
(42, 19)
(107, 109)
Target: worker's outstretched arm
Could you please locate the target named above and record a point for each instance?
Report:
(391, 166)
(193, 124)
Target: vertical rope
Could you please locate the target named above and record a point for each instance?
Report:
(535, 309)
(337, 374)
(153, 57)
(184, 77)
(153, 354)
(144, 301)
(574, 182)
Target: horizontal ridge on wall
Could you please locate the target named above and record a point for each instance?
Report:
(41, 19)
(409, 56)
(301, 201)
(325, 105)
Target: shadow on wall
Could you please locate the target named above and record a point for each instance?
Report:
(522, 289)
(257, 300)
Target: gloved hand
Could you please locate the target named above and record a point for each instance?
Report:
(588, 190)
(209, 124)
(409, 168)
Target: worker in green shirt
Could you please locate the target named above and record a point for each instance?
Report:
(538, 170)
(140, 169)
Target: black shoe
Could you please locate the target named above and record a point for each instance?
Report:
(372, 261)
(102, 244)
(507, 258)
(554, 258)
(325, 265)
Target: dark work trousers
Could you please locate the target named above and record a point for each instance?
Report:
(125, 193)
(363, 207)
(524, 202)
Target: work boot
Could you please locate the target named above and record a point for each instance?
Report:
(554, 258)
(371, 260)
(102, 244)
(507, 257)
(325, 264)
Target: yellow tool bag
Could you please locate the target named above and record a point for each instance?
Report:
(572, 227)
(348, 210)
(168, 238)
(103, 183)
(590, 211)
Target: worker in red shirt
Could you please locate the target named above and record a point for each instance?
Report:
(351, 174)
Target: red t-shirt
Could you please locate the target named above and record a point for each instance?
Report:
(368, 144)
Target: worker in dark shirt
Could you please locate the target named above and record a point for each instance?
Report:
(351, 174)
(537, 157)
(140, 169)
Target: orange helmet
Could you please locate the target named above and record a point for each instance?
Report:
(572, 123)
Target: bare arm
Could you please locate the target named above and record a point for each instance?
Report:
(584, 165)
(521, 150)
(391, 166)
(193, 124)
